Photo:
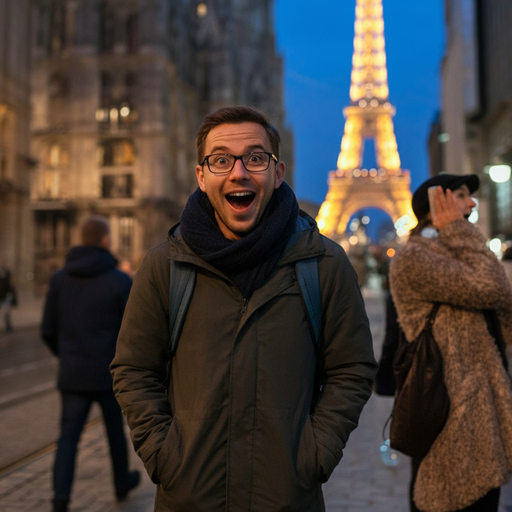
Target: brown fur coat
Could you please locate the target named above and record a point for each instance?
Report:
(473, 453)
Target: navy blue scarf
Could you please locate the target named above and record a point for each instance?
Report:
(250, 260)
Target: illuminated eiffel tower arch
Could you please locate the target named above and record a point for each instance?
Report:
(369, 116)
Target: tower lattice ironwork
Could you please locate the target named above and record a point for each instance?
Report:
(369, 116)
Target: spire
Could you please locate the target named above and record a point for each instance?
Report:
(369, 72)
(370, 114)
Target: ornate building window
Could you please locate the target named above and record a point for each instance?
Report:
(57, 156)
(116, 105)
(107, 84)
(130, 82)
(132, 33)
(57, 26)
(117, 183)
(126, 224)
(114, 186)
(106, 28)
(52, 230)
(56, 161)
(58, 92)
(115, 152)
(58, 86)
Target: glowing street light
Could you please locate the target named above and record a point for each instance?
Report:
(499, 173)
(495, 245)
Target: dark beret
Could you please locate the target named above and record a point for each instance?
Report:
(420, 204)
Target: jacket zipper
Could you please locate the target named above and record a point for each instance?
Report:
(244, 306)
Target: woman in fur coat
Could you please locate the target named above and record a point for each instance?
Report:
(446, 260)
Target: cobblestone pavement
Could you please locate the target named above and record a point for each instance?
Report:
(360, 483)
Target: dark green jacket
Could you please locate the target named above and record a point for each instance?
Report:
(240, 431)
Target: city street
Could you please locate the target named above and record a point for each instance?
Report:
(29, 403)
(28, 422)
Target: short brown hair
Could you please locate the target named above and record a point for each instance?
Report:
(236, 115)
(93, 229)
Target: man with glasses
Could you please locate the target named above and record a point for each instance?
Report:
(254, 414)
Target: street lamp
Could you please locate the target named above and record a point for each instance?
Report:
(499, 173)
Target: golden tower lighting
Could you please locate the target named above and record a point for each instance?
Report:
(369, 116)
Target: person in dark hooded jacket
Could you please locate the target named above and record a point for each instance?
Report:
(82, 316)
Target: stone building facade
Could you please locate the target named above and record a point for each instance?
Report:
(118, 91)
(16, 236)
(477, 103)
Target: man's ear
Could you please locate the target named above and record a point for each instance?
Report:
(200, 177)
(105, 242)
(280, 170)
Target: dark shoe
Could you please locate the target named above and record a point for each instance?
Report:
(131, 482)
(60, 505)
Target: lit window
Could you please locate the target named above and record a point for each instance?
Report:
(57, 156)
(202, 10)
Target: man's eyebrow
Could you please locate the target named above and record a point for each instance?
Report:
(224, 149)
(257, 146)
(219, 148)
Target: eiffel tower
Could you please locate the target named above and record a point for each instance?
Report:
(369, 116)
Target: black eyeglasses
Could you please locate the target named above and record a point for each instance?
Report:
(223, 163)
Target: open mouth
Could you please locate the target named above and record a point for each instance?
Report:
(240, 200)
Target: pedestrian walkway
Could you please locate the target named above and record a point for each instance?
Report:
(29, 487)
(28, 313)
(361, 483)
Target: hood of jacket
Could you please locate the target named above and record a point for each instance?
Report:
(88, 261)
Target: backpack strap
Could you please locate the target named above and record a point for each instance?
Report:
(182, 281)
(307, 275)
(181, 288)
(309, 283)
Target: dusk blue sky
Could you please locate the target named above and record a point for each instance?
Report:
(316, 42)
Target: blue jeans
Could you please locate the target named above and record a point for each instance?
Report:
(75, 408)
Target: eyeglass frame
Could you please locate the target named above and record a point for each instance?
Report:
(238, 157)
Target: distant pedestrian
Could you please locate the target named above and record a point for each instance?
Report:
(361, 268)
(81, 320)
(126, 267)
(7, 296)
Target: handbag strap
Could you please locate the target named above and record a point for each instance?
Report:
(432, 316)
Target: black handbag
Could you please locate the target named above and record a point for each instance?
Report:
(421, 403)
